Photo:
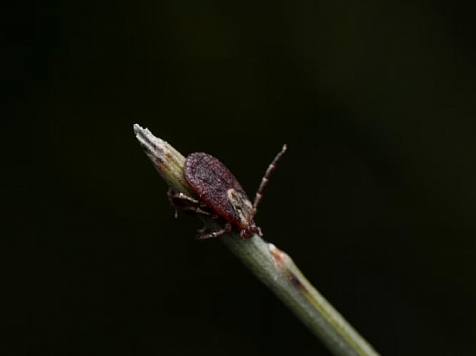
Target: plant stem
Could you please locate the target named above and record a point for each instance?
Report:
(271, 265)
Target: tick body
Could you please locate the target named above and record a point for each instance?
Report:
(220, 195)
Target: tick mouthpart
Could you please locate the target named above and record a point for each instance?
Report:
(250, 231)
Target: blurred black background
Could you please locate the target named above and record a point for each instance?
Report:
(374, 200)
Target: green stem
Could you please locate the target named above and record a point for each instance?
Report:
(271, 265)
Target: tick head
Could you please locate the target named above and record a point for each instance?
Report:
(250, 231)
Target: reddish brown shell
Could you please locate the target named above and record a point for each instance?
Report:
(218, 188)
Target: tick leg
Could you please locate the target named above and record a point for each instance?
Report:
(196, 210)
(180, 196)
(214, 234)
(180, 201)
(265, 179)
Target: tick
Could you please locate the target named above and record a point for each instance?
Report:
(220, 195)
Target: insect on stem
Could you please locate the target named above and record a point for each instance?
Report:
(220, 195)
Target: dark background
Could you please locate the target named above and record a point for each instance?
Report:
(374, 200)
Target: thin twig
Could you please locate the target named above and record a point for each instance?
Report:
(271, 265)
